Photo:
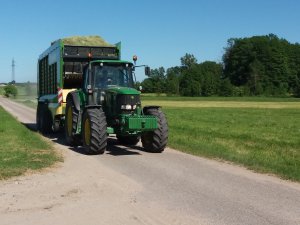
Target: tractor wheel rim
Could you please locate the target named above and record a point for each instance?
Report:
(69, 121)
(87, 132)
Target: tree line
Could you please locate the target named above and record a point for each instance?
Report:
(255, 66)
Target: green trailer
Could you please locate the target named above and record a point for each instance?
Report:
(85, 87)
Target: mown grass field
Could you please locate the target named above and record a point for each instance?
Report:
(262, 134)
(21, 150)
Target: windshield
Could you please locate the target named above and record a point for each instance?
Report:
(113, 75)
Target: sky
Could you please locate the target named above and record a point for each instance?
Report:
(159, 32)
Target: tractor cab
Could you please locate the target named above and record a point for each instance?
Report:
(103, 77)
(112, 75)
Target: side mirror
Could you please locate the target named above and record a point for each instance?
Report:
(147, 70)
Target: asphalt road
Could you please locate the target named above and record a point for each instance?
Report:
(176, 188)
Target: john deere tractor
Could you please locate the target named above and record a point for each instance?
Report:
(108, 104)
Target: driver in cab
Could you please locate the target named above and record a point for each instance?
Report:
(102, 79)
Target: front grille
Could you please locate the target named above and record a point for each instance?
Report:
(128, 100)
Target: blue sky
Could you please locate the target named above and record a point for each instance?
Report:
(159, 32)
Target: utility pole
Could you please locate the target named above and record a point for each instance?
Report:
(13, 71)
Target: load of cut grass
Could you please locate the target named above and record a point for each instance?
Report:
(86, 41)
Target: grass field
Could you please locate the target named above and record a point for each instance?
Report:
(223, 104)
(263, 136)
(163, 97)
(25, 96)
(1, 91)
(21, 150)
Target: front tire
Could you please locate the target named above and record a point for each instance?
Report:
(94, 132)
(156, 141)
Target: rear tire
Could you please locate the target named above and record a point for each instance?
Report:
(94, 132)
(71, 120)
(43, 119)
(38, 117)
(156, 141)
(128, 140)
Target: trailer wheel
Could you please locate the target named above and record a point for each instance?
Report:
(43, 119)
(156, 141)
(94, 132)
(71, 120)
(128, 140)
(38, 117)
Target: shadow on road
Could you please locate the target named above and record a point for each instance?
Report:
(113, 147)
(30, 126)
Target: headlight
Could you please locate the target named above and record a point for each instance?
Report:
(126, 107)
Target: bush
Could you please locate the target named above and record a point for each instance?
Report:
(10, 90)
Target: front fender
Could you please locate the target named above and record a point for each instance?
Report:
(73, 96)
(150, 107)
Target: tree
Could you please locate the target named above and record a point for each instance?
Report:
(148, 85)
(190, 81)
(262, 64)
(10, 90)
(173, 76)
(188, 60)
(258, 65)
(210, 77)
(226, 88)
(189, 86)
(156, 81)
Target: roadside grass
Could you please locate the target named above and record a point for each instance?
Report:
(21, 150)
(262, 137)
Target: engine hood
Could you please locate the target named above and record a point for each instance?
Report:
(123, 90)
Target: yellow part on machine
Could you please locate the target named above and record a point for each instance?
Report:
(59, 109)
(65, 94)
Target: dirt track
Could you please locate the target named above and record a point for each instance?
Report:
(129, 186)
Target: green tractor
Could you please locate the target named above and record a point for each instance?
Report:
(108, 104)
